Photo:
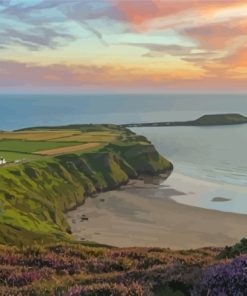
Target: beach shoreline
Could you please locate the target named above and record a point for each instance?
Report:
(145, 214)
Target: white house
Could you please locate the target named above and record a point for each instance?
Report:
(2, 160)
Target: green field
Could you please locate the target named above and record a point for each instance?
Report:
(12, 156)
(30, 146)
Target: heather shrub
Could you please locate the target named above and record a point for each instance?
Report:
(168, 291)
(73, 269)
(224, 279)
(149, 262)
(234, 251)
(19, 278)
(133, 289)
(177, 277)
(96, 265)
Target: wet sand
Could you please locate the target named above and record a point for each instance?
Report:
(143, 215)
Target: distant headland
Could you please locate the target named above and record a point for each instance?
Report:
(205, 120)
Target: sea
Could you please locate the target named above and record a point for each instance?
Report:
(215, 155)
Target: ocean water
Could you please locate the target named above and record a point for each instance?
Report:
(213, 154)
(18, 111)
(217, 154)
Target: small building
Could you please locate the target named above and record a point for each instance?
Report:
(2, 160)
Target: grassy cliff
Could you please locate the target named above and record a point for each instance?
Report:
(34, 195)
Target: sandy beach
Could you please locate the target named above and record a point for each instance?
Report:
(144, 214)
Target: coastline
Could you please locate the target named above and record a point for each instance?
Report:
(229, 198)
(145, 214)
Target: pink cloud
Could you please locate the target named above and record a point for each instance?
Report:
(23, 76)
(214, 36)
(138, 12)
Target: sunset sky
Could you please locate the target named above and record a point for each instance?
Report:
(123, 45)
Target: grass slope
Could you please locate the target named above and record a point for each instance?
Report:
(34, 195)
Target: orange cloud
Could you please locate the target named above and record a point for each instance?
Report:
(137, 12)
(14, 74)
(237, 59)
(30, 76)
(215, 36)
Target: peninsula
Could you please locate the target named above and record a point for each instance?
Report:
(49, 171)
(205, 120)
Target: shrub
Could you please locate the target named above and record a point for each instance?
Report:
(133, 289)
(224, 279)
(95, 265)
(235, 250)
(178, 276)
(21, 278)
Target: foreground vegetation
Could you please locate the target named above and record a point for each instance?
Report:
(35, 194)
(45, 260)
(73, 269)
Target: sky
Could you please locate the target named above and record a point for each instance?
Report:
(123, 46)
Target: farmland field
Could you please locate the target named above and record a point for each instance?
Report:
(60, 136)
(69, 149)
(91, 137)
(30, 146)
(38, 135)
(12, 156)
(35, 143)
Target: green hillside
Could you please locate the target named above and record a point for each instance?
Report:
(35, 194)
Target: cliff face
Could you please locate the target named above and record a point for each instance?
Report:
(34, 195)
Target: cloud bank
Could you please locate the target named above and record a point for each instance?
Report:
(124, 44)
